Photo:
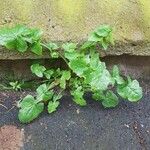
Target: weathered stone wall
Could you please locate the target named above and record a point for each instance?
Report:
(65, 20)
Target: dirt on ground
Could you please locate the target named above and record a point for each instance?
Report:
(11, 138)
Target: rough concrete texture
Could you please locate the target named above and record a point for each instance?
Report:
(70, 20)
(127, 127)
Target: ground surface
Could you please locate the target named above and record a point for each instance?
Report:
(73, 128)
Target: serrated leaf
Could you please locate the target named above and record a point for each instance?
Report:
(11, 45)
(33, 35)
(104, 44)
(94, 38)
(78, 66)
(88, 45)
(57, 73)
(103, 31)
(116, 75)
(48, 73)
(29, 109)
(111, 100)
(57, 97)
(10, 34)
(27, 101)
(78, 96)
(21, 45)
(131, 91)
(38, 69)
(98, 95)
(103, 36)
(54, 54)
(37, 48)
(71, 55)
(43, 93)
(69, 47)
(52, 106)
(52, 46)
(66, 75)
(17, 44)
(94, 61)
(99, 79)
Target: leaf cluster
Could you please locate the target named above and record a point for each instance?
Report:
(85, 72)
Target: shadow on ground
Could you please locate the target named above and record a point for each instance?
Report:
(126, 127)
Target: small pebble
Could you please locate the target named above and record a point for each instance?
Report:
(126, 125)
(78, 111)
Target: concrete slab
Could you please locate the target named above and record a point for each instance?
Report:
(69, 20)
(126, 127)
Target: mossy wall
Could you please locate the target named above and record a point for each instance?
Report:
(65, 20)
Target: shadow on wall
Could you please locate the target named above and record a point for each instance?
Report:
(135, 66)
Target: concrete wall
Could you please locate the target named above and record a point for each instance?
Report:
(65, 20)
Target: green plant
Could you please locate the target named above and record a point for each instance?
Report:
(16, 85)
(85, 71)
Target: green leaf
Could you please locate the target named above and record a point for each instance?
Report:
(54, 54)
(88, 45)
(94, 38)
(66, 75)
(21, 45)
(99, 79)
(131, 91)
(71, 55)
(43, 93)
(69, 51)
(16, 85)
(94, 61)
(52, 106)
(75, 82)
(98, 95)
(111, 100)
(17, 44)
(69, 47)
(104, 44)
(26, 102)
(33, 35)
(57, 97)
(78, 96)
(52, 46)
(11, 45)
(37, 48)
(29, 109)
(57, 73)
(38, 70)
(48, 73)
(103, 31)
(116, 75)
(78, 66)
(103, 36)
(10, 34)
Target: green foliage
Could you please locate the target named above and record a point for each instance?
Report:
(52, 47)
(43, 93)
(131, 90)
(78, 96)
(30, 109)
(85, 72)
(110, 100)
(53, 105)
(66, 75)
(36, 48)
(19, 37)
(102, 36)
(38, 70)
(16, 85)
(116, 75)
